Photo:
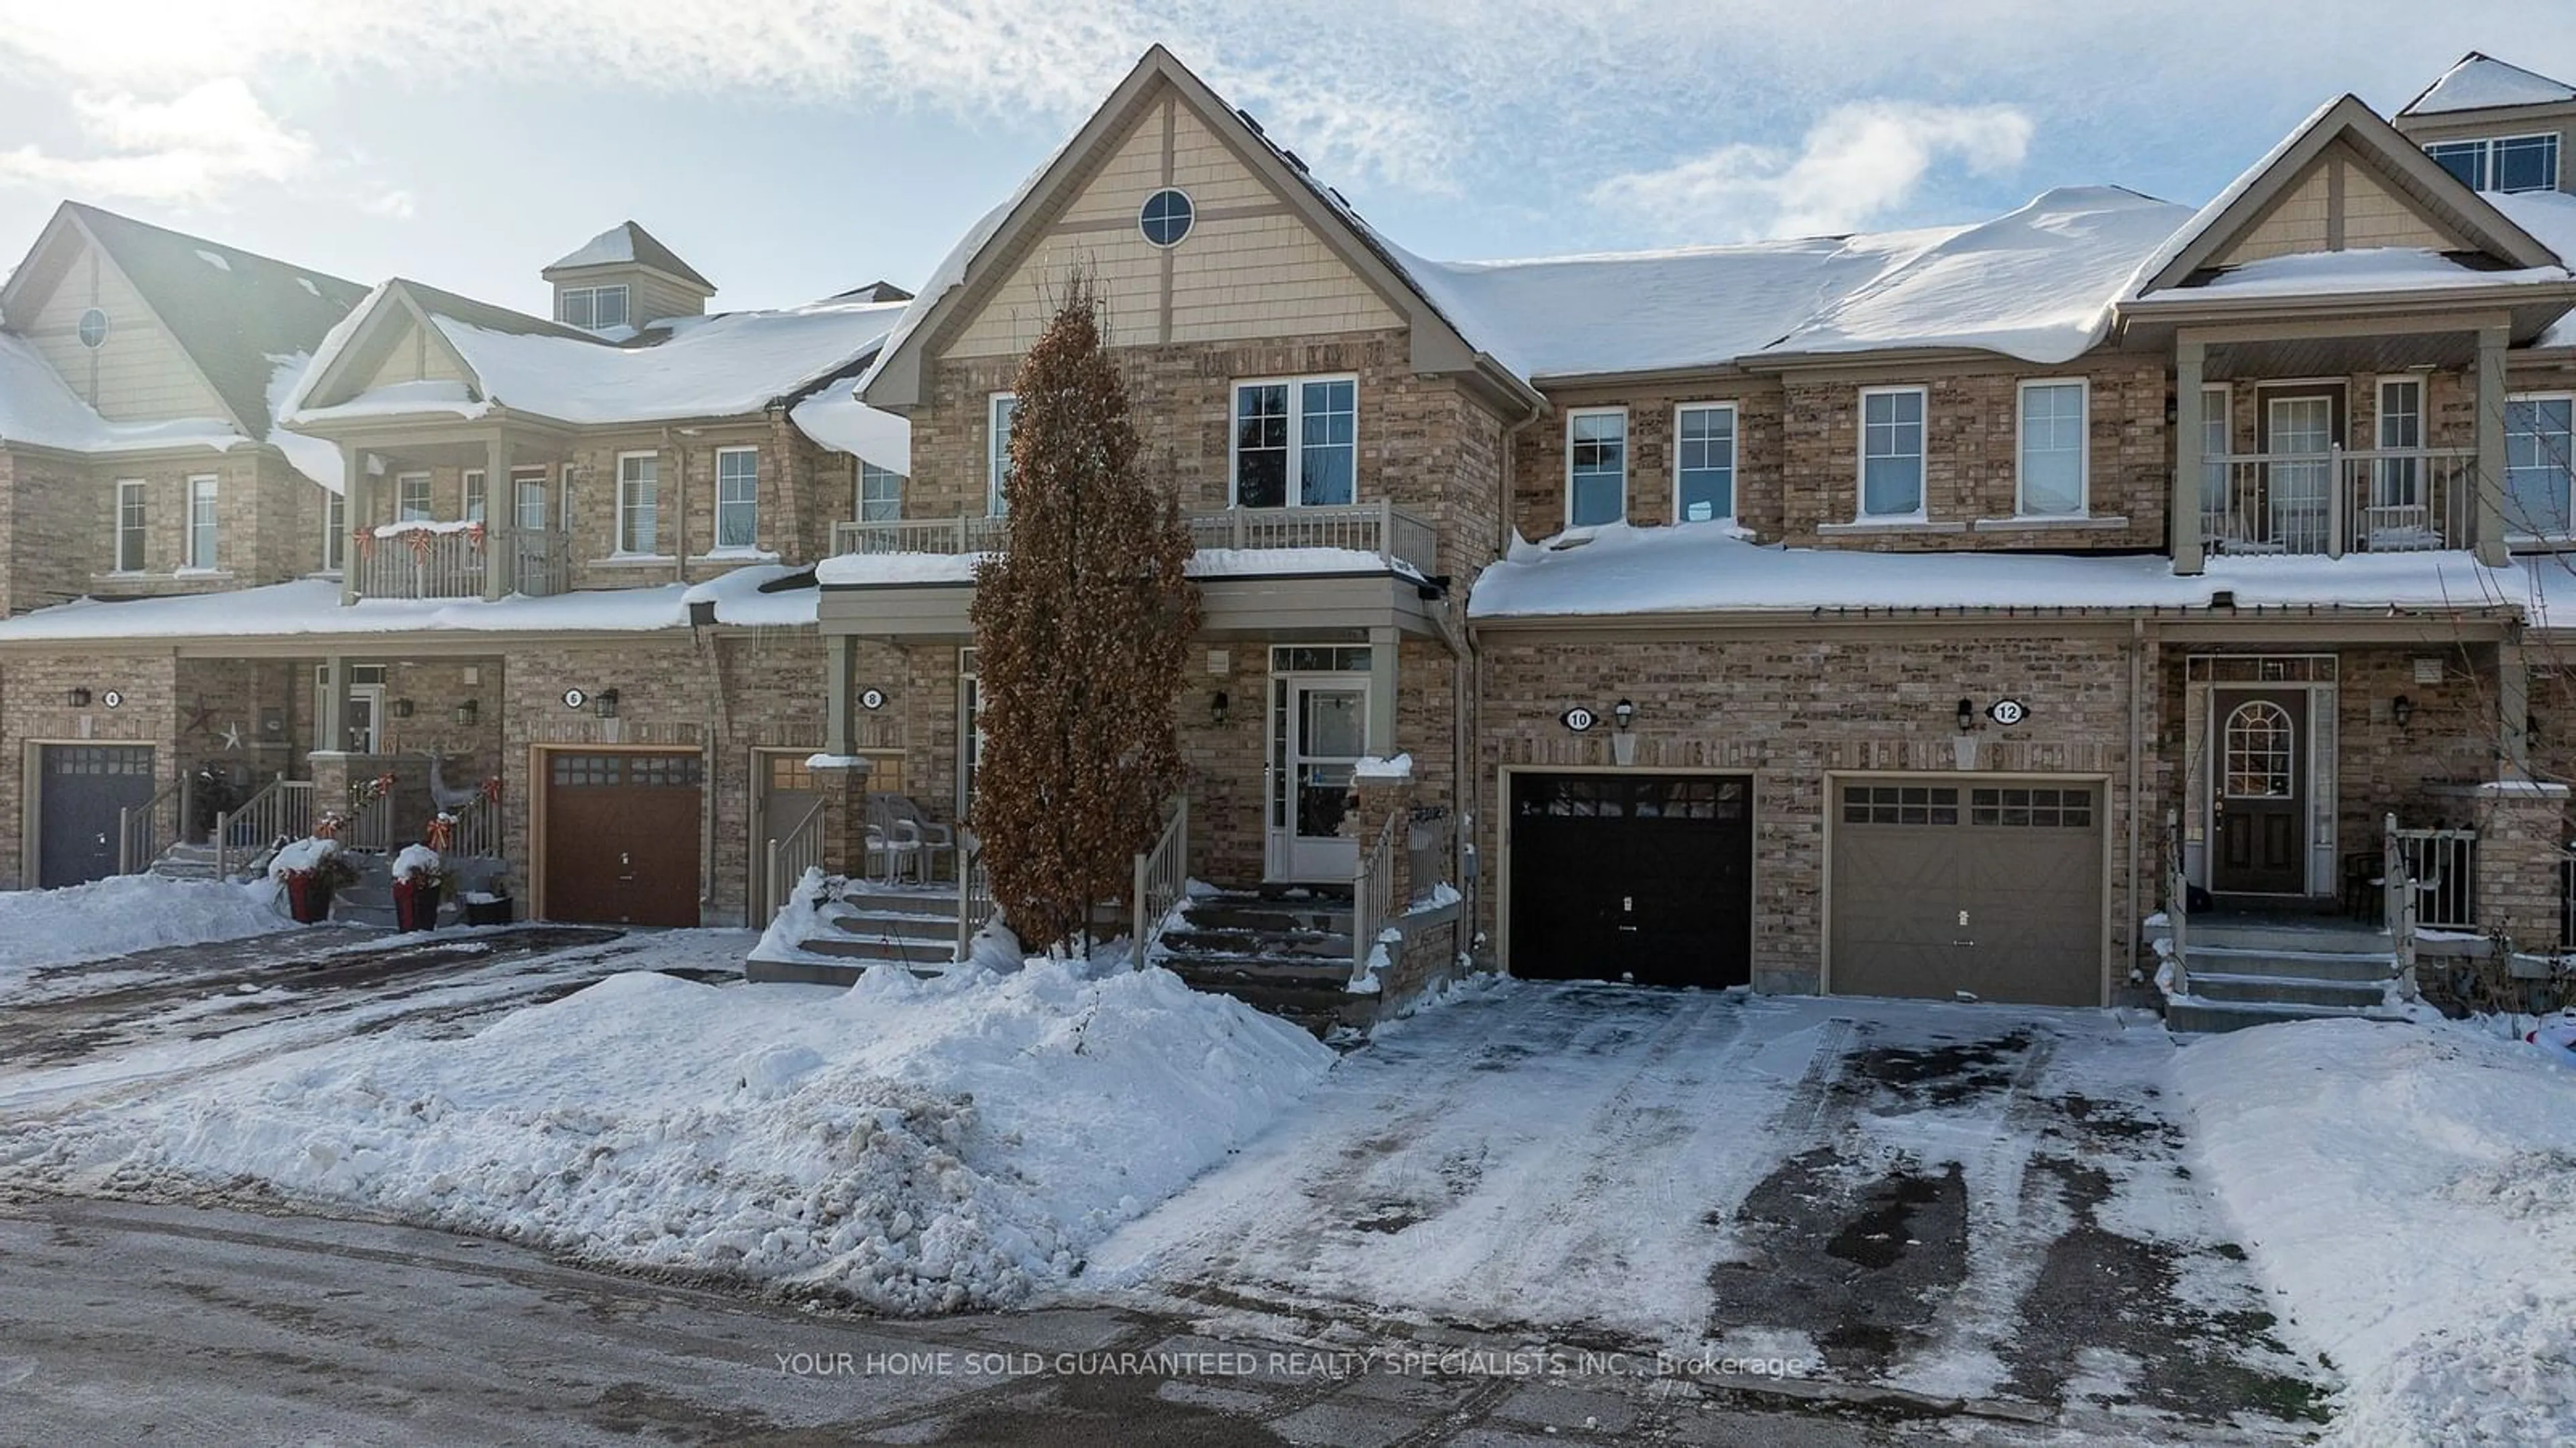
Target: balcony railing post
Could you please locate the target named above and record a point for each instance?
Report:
(2336, 484)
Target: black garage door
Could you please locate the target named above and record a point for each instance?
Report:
(1994, 890)
(85, 787)
(1639, 877)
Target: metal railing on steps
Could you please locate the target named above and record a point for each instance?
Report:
(974, 893)
(785, 858)
(138, 833)
(1162, 878)
(282, 809)
(1373, 894)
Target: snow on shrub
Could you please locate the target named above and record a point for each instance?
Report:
(419, 863)
(913, 1146)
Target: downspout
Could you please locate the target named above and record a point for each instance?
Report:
(679, 456)
(1470, 718)
(2137, 653)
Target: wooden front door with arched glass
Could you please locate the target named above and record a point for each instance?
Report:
(2261, 799)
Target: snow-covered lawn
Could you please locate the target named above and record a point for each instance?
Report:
(917, 1145)
(2412, 1192)
(127, 913)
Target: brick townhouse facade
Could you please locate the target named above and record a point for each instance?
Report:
(1910, 614)
(541, 571)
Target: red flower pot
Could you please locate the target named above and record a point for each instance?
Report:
(415, 904)
(308, 898)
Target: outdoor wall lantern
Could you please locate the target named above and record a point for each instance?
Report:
(1624, 712)
(468, 712)
(402, 708)
(1967, 715)
(1623, 745)
(1218, 706)
(79, 698)
(2401, 709)
(607, 703)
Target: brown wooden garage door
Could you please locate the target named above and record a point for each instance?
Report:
(1995, 890)
(622, 836)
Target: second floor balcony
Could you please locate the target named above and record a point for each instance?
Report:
(1403, 542)
(2340, 501)
(458, 560)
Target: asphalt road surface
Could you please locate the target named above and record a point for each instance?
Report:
(125, 1323)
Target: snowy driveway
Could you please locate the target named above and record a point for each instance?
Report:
(1977, 1203)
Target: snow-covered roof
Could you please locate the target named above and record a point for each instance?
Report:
(1688, 569)
(2378, 269)
(835, 418)
(38, 409)
(2550, 217)
(720, 366)
(312, 606)
(626, 244)
(2480, 82)
(2036, 283)
(861, 570)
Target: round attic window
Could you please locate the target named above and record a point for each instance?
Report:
(1166, 217)
(93, 327)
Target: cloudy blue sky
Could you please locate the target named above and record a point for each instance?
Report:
(790, 148)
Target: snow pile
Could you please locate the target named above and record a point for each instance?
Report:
(126, 913)
(915, 1146)
(2410, 1191)
(312, 606)
(309, 853)
(1623, 569)
(1370, 766)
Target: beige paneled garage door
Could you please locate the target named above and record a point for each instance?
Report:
(1991, 889)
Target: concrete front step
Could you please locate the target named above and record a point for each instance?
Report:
(2287, 990)
(2329, 936)
(1319, 944)
(2190, 1017)
(902, 950)
(2300, 965)
(870, 923)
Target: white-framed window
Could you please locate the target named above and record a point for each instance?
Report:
(1296, 442)
(201, 523)
(1596, 466)
(411, 498)
(1891, 452)
(639, 503)
(1704, 462)
(2539, 442)
(2501, 163)
(593, 309)
(132, 525)
(335, 531)
(477, 495)
(737, 497)
(2397, 496)
(1000, 409)
(2052, 467)
(880, 497)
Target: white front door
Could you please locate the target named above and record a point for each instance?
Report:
(365, 711)
(1318, 730)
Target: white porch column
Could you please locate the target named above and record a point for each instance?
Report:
(354, 514)
(1381, 712)
(335, 705)
(2182, 525)
(500, 502)
(2492, 342)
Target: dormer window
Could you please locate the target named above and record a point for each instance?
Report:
(2501, 163)
(593, 309)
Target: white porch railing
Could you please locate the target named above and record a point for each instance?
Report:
(1372, 895)
(477, 831)
(2398, 902)
(1380, 528)
(138, 832)
(424, 561)
(370, 827)
(2177, 910)
(2443, 867)
(281, 810)
(785, 858)
(974, 895)
(1430, 844)
(2340, 501)
(1162, 877)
